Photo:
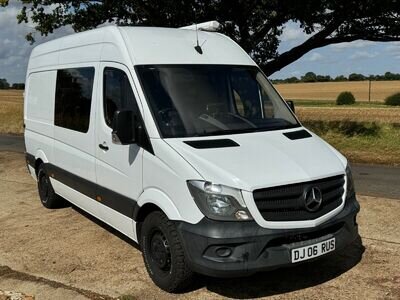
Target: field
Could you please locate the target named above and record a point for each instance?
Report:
(366, 132)
(11, 111)
(330, 90)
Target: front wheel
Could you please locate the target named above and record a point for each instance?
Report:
(163, 253)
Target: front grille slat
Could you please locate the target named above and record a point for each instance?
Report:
(281, 203)
(286, 203)
(332, 195)
(279, 193)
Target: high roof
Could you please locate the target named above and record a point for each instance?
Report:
(140, 45)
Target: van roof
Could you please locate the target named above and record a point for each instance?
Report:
(139, 45)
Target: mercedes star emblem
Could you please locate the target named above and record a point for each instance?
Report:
(313, 199)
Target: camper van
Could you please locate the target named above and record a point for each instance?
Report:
(176, 138)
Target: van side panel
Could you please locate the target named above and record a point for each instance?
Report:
(39, 114)
(74, 151)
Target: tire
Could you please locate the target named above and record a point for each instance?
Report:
(47, 195)
(163, 254)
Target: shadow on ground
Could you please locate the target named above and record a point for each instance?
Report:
(275, 282)
(289, 279)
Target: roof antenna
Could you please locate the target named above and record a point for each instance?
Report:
(198, 47)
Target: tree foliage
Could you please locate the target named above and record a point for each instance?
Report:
(312, 77)
(345, 98)
(4, 84)
(257, 25)
(18, 86)
(309, 77)
(393, 100)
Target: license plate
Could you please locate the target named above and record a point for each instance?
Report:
(314, 250)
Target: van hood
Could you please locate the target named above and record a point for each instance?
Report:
(262, 159)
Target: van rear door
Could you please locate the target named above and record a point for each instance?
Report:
(118, 167)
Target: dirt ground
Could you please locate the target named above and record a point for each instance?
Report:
(65, 254)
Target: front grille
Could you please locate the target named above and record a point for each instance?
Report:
(286, 202)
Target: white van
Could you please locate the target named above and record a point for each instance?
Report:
(185, 148)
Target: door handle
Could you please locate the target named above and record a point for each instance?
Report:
(103, 146)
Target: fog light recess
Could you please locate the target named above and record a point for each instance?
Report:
(223, 251)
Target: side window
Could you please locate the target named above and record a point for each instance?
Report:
(246, 93)
(269, 111)
(73, 98)
(117, 93)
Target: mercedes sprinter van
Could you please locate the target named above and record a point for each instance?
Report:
(178, 140)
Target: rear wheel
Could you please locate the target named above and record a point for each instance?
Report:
(163, 253)
(47, 195)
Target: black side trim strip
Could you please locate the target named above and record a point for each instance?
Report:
(297, 135)
(75, 182)
(30, 159)
(118, 202)
(204, 144)
(115, 201)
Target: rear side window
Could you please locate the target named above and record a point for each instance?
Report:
(73, 98)
(118, 94)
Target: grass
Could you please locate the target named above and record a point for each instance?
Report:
(359, 114)
(330, 90)
(332, 103)
(361, 142)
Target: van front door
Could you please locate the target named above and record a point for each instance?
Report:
(118, 167)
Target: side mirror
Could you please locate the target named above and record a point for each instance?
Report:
(123, 127)
(291, 105)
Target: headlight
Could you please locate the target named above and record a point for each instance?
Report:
(219, 202)
(350, 183)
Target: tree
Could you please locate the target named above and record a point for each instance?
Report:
(292, 79)
(356, 77)
(391, 76)
(323, 78)
(340, 78)
(18, 86)
(4, 84)
(257, 25)
(309, 77)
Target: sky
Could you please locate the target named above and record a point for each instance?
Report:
(357, 57)
(360, 56)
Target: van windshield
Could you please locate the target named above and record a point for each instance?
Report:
(206, 100)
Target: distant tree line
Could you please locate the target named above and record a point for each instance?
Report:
(4, 85)
(308, 77)
(312, 77)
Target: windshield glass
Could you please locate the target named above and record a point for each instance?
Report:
(204, 100)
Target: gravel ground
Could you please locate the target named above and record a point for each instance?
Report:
(66, 254)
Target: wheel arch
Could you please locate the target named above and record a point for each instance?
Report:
(153, 200)
(40, 158)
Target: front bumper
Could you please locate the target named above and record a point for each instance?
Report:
(232, 249)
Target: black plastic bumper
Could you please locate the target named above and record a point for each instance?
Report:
(232, 249)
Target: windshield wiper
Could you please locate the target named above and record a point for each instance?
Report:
(227, 131)
(277, 127)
